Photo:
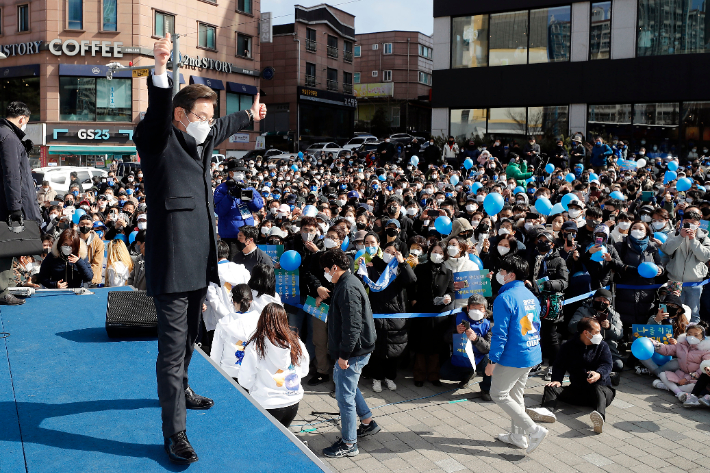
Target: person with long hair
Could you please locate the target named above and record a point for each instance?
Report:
(118, 264)
(263, 287)
(67, 264)
(274, 362)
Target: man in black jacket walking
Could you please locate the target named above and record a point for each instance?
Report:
(18, 199)
(351, 341)
(175, 142)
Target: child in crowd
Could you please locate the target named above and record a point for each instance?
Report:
(274, 362)
(233, 331)
(677, 315)
(263, 287)
(691, 350)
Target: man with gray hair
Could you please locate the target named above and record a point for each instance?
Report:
(472, 325)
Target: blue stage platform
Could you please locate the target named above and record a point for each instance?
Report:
(73, 400)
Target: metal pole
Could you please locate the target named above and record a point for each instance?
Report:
(176, 64)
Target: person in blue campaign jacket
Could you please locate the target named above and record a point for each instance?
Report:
(515, 348)
(474, 324)
(235, 212)
(600, 155)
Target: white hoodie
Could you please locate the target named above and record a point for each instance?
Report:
(263, 300)
(230, 336)
(272, 381)
(219, 298)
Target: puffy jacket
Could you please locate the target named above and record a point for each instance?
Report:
(513, 171)
(230, 210)
(687, 257)
(552, 266)
(55, 268)
(611, 335)
(689, 357)
(600, 155)
(633, 304)
(351, 328)
(515, 340)
(577, 359)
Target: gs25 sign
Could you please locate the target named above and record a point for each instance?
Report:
(89, 134)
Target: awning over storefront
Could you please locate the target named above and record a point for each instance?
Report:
(182, 78)
(30, 70)
(92, 150)
(83, 70)
(212, 83)
(241, 88)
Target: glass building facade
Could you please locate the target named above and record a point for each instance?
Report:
(668, 27)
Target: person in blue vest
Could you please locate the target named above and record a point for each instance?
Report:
(471, 323)
(600, 154)
(515, 349)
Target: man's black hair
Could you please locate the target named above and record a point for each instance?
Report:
(593, 212)
(586, 324)
(249, 231)
(17, 109)
(334, 256)
(263, 280)
(140, 236)
(222, 250)
(516, 265)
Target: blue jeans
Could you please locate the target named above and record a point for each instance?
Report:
(295, 321)
(690, 296)
(451, 372)
(350, 401)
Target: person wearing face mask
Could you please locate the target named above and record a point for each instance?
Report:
(95, 247)
(692, 351)
(450, 152)
(600, 155)
(431, 156)
(137, 276)
(515, 169)
(601, 269)
(689, 251)
(46, 193)
(592, 219)
(66, 265)
(434, 293)
(587, 359)
(622, 228)
(457, 260)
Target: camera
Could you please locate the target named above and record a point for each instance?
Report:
(238, 191)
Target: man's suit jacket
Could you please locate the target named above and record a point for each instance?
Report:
(181, 246)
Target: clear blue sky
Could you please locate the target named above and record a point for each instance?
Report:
(370, 15)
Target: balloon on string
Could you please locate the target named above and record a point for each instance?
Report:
(543, 205)
(476, 260)
(519, 189)
(593, 177)
(557, 209)
(132, 236)
(78, 213)
(642, 348)
(566, 199)
(529, 179)
(346, 243)
(662, 237)
(617, 195)
(294, 168)
(454, 180)
(382, 177)
(300, 155)
(659, 359)
(414, 160)
(468, 164)
(443, 225)
(683, 184)
(599, 255)
(359, 254)
(640, 163)
(669, 176)
(549, 169)
(309, 211)
(475, 186)
(648, 270)
(672, 165)
(570, 177)
(290, 260)
(493, 203)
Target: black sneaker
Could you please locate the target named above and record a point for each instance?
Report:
(535, 369)
(615, 378)
(340, 449)
(370, 429)
(318, 378)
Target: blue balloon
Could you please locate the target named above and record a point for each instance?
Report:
(290, 260)
(672, 165)
(566, 199)
(414, 160)
(660, 236)
(382, 177)
(359, 254)
(122, 237)
(346, 243)
(570, 177)
(493, 203)
(647, 270)
(300, 154)
(557, 209)
(475, 186)
(701, 188)
(476, 260)
(669, 176)
(659, 359)
(617, 195)
(593, 177)
(309, 211)
(132, 236)
(454, 180)
(78, 213)
(599, 255)
(294, 168)
(549, 169)
(683, 184)
(529, 179)
(519, 189)
(543, 205)
(443, 225)
(642, 348)
(468, 164)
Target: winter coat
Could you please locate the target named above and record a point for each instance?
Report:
(427, 333)
(577, 359)
(230, 337)
(137, 277)
(351, 328)
(634, 304)
(689, 358)
(308, 282)
(687, 257)
(219, 297)
(432, 155)
(611, 335)
(600, 155)
(552, 266)
(48, 196)
(459, 225)
(56, 268)
(450, 152)
(96, 256)
(232, 211)
(601, 272)
(513, 171)
(459, 265)
(17, 188)
(259, 302)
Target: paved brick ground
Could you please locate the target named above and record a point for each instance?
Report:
(647, 430)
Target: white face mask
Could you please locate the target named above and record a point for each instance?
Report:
(475, 315)
(415, 252)
(329, 243)
(436, 258)
(453, 250)
(624, 225)
(480, 198)
(23, 127)
(658, 225)
(387, 257)
(529, 226)
(694, 226)
(328, 277)
(511, 186)
(340, 202)
(500, 278)
(503, 250)
(198, 130)
(474, 223)
(351, 220)
(692, 340)
(323, 228)
(645, 218)
(412, 211)
(596, 339)
(266, 231)
(638, 234)
(471, 208)
(66, 250)
(142, 225)
(574, 213)
(503, 231)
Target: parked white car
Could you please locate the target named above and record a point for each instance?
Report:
(359, 141)
(328, 147)
(59, 179)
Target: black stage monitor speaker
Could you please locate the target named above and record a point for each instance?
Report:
(130, 314)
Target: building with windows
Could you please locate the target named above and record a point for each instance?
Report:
(56, 62)
(632, 69)
(310, 98)
(393, 75)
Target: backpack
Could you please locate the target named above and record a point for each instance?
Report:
(551, 304)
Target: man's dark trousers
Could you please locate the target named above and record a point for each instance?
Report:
(597, 396)
(179, 316)
(6, 274)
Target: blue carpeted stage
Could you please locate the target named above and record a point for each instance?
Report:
(73, 400)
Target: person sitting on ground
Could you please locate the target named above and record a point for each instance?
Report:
(67, 264)
(701, 390)
(588, 361)
(137, 277)
(275, 360)
(677, 315)
(691, 350)
(118, 264)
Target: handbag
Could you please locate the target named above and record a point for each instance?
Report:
(21, 238)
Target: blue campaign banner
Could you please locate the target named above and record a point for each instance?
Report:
(460, 340)
(320, 312)
(626, 164)
(475, 282)
(273, 251)
(287, 286)
(660, 333)
(705, 224)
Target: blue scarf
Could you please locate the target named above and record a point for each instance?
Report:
(638, 245)
(387, 276)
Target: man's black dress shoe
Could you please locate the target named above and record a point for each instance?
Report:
(195, 401)
(179, 449)
(9, 299)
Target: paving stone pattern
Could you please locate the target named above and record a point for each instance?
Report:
(647, 430)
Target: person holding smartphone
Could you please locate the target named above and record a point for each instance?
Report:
(67, 264)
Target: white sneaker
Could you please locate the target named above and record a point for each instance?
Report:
(705, 400)
(518, 441)
(690, 400)
(377, 385)
(658, 384)
(390, 384)
(548, 375)
(597, 421)
(541, 414)
(536, 438)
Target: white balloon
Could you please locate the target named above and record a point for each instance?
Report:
(640, 163)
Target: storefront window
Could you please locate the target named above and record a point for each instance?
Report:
(508, 38)
(550, 35)
(507, 121)
(672, 27)
(113, 100)
(656, 114)
(468, 123)
(600, 31)
(469, 41)
(24, 89)
(551, 122)
(239, 102)
(94, 99)
(696, 122)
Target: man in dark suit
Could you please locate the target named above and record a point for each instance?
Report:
(175, 142)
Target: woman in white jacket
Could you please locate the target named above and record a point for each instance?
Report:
(263, 287)
(457, 261)
(274, 362)
(233, 331)
(118, 264)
